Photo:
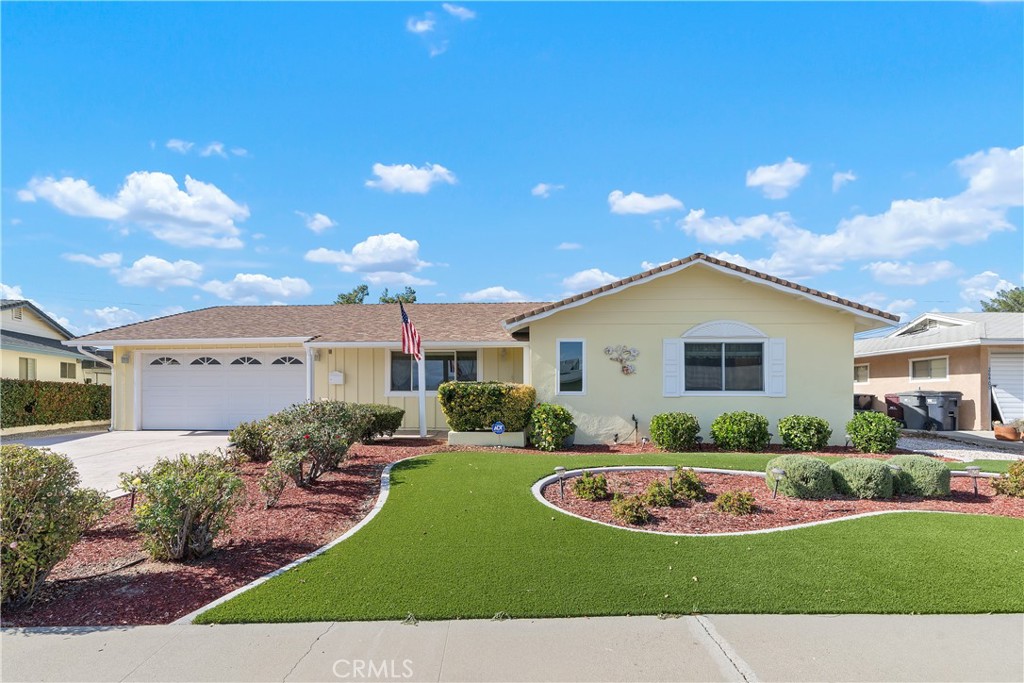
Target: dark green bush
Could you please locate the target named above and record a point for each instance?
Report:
(31, 402)
(43, 513)
(253, 439)
(920, 475)
(384, 421)
(1011, 483)
(863, 478)
(735, 502)
(688, 485)
(313, 438)
(630, 510)
(186, 502)
(675, 431)
(873, 432)
(804, 432)
(551, 425)
(740, 431)
(589, 487)
(659, 495)
(475, 406)
(806, 477)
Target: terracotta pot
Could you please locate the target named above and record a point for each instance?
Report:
(1006, 433)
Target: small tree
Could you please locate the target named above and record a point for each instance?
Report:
(356, 296)
(406, 297)
(1005, 301)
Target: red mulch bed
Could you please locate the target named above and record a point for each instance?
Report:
(701, 517)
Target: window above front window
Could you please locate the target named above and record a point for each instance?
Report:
(439, 366)
(925, 369)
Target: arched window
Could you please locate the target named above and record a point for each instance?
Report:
(287, 360)
(245, 360)
(205, 360)
(165, 360)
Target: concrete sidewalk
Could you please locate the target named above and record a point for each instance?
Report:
(712, 648)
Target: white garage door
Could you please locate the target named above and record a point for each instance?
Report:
(207, 390)
(1007, 378)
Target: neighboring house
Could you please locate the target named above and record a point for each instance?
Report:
(31, 345)
(978, 354)
(711, 337)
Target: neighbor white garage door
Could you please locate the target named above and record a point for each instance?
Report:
(217, 390)
(1007, 379)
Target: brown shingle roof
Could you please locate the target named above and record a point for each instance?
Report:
(544, 308)
(328, 323)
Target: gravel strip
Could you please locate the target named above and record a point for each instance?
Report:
(955, 450)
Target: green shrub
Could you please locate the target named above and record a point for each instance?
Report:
(253, 439)
(630, 510)
(1011, 483)
(735, 502)
(187, 502)
(313, 438)
(863, 478)
(920, 475)
(475, 406)
(384, 421)
(740, 431)
(659, 495)
(806, 477)
(675, 431)
(804, 432)
(551, 426)
(43, 513)
(589, 487)
(688, 485)
(873, 432)
(26, 402)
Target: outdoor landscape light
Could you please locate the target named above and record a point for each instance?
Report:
(778, 473)
(670, 471)
(973, 471)
(560, 471)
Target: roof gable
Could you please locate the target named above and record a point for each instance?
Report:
(6, 304)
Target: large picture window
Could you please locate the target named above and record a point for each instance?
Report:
(571, 366)
(724, 366)
(440, 366)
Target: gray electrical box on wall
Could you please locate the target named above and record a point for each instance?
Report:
(336, 378)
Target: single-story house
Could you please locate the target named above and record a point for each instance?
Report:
(709, 337)
(31, 345)
(980, 355)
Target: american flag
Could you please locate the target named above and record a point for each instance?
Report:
(411, 343)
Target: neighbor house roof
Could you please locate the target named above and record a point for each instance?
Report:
(30, 343)
(933, 331)
(327, 324)
(25, 303)
(522, 319)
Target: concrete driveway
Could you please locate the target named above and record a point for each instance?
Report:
(101, 457)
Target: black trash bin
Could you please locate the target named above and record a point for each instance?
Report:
(915, 411)
(863, 402)
(893, 408)
(944, 408)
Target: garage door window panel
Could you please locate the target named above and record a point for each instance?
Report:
(246, 360)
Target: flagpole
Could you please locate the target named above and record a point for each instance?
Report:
(423, 396)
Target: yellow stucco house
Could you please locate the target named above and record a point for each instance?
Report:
(699, 335)
(31, 347)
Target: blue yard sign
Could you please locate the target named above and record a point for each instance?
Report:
(498, 427)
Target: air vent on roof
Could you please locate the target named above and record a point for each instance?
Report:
(16, 313)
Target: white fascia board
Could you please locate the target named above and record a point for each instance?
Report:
(187, 342)
(959, 322)
(45, 352)
(916, 349)
(727, 271)
(426, 345)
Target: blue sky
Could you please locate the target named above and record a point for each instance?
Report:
(161, 157)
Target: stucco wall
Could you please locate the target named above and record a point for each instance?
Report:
(819, 352)
(47, 367)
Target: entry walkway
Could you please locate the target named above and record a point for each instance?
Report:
(712, 648)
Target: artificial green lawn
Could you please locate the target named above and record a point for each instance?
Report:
(461, 536)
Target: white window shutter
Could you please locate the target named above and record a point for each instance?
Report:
(776, 384)
(672, 367)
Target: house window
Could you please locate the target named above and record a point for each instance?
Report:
(287, 360)
(245, 360)
(165, 360)
(722, 366)
(930, 368)
(26, 368)
(571, 367)
(440, 366)
(860, 373)
(205, 360)
(67, 370)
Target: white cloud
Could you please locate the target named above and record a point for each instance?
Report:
(544, 190)
(778, 180)
(634, 202)
(109, 260)
(179, 146)
(901, 307)
(651, 265)
(586, 280)
(420, 26)
(381, 259)
(201, 215)
(153, 271)
(392, 278)
(317, 222)
(983, 286)
(252, 288)
(15, 292)
(214, 148)
(11, 292)
(496, 293)
(461, 13)
(112, 316)
(240, 151)
(569, 246)
(724, 230)
(840, 178)
(16, 221)
(409, 178)
(440, 49)
(909, 273)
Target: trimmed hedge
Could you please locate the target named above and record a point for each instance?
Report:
(385, 420)
(873, 432)
(475, 406)
(920, 475)
(741, 431)
(806, 477)
(862, 477)
(26, 402)
(804, 432)
(675, 431)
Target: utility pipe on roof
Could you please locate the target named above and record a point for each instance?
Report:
(113, 383)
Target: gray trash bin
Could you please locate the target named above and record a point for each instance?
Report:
(915, 411)
(944, 408)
